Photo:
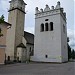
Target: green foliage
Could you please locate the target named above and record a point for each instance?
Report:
(73, 54)
(67, 39)
(69, 52)
(2, 19)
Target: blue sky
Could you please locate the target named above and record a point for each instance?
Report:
(68, 6)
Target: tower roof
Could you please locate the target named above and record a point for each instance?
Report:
(17, 4)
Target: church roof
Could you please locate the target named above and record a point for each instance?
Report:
(21, 45)
(29, 37)
(6, 23)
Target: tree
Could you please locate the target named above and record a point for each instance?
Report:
(1, 21)
(69, 49)
(73, 54)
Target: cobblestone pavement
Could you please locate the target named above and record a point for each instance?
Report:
(38, 69)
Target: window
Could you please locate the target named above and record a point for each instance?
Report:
(32, 53)
(17, 58)
(21, 7)
(51, 26)
(42, 27)
(0, 30)
(30, 49)
(63, 28)
(46, 56)
(46, 19)
(12, 7)
(46, 26)
(8, 58)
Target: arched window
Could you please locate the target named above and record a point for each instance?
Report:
(51, 26)
(46, 19)
(42, 27)
(46, 56)
(46, 26)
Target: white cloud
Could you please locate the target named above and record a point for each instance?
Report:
(30, 29)
(71, 35)
(4, 5)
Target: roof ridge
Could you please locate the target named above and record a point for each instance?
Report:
(29, 32)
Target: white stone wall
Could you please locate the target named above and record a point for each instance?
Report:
(2, 55)
(50, 42)
(19, 53)
(64, 49)
(24, 41)
(28, 46)
(22, 54)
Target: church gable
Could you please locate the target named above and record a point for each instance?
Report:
(21, 45)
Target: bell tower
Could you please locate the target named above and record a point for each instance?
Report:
(16, 17)
(50, 42)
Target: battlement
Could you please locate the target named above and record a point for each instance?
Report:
(50, 11)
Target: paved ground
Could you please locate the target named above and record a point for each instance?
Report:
(38, 69)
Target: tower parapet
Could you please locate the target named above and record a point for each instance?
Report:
(17, 4)
(48, 12)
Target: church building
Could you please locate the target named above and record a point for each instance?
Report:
(3, 34)
(18, 46)
(50, 42)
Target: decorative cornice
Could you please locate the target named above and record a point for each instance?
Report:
(16, 8)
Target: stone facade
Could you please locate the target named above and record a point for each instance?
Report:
(15, 34)
(50, 43)
(3, 26)
(29, 45)
(18, 41)
(21, 53)
(26, 49)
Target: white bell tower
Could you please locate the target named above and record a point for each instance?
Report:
(50, 44)
(16, 17)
